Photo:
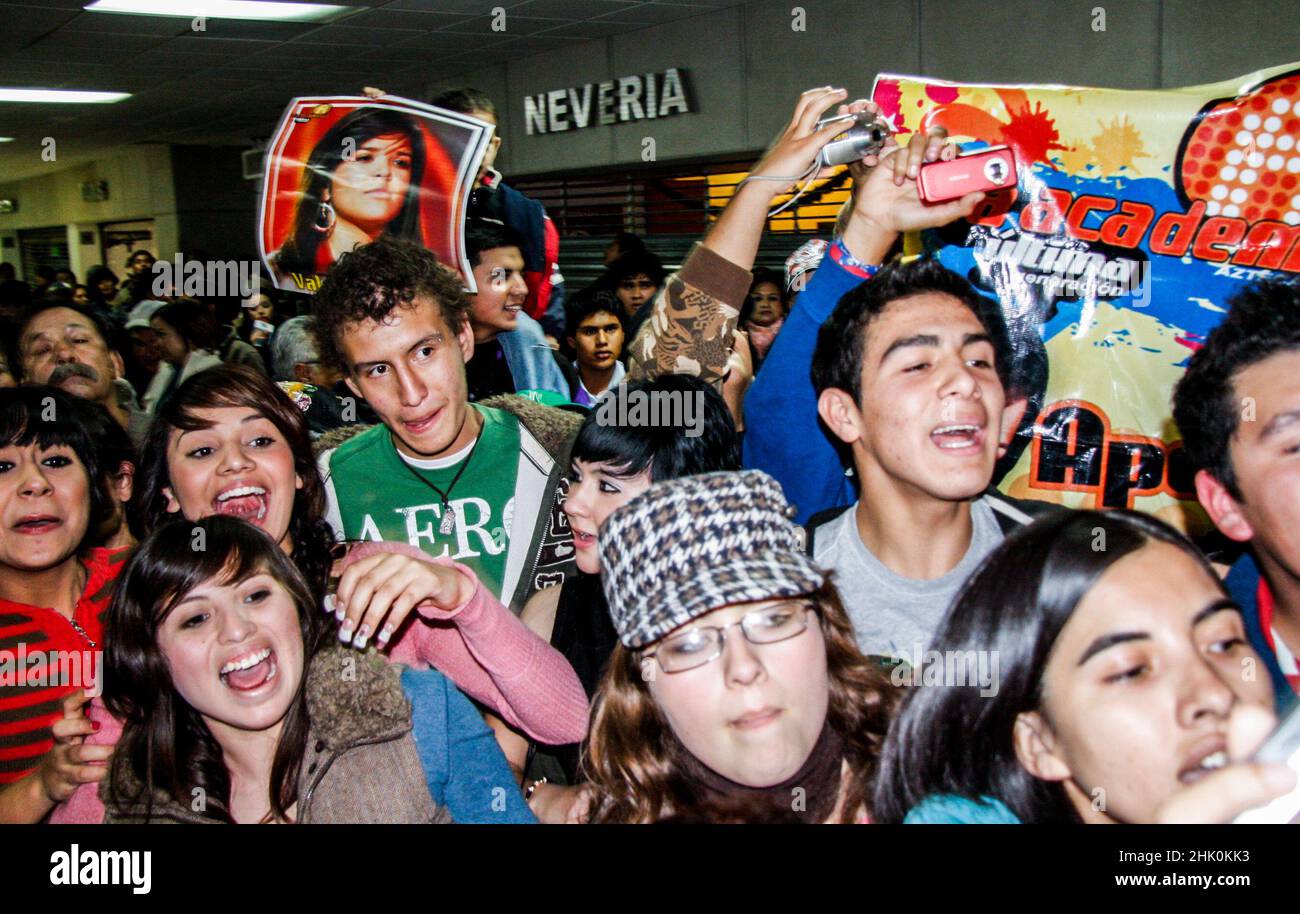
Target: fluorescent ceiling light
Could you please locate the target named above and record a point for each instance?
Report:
(6, 139)
(225, 9)
(64, 96)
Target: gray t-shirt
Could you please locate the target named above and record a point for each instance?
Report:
(894, 616)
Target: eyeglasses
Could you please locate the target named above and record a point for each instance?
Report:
(698, 646)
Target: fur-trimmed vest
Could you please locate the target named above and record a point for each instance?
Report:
(361, 763)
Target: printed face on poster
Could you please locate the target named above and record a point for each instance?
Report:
(342, 171)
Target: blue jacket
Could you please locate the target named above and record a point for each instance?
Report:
(531, 359)
(463, 764)
(1242, 583)
(790, 444)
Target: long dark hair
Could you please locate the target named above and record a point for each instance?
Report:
(94, 276)
(298, 253)
(225, 386)
(165, 743)
(628, 756)
(952, 740)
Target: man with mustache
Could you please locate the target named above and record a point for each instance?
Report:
(68, 347)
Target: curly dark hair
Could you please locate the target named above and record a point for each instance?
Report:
(1262, 321)
(842, 340)
(372, 280)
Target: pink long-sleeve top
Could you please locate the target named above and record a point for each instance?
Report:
(480, 646)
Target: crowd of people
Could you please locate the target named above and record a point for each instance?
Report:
(390, 559)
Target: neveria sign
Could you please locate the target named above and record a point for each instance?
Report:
(628, 98)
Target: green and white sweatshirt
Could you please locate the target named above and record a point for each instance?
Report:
(509, 529)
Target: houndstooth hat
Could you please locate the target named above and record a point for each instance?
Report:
(688, 546)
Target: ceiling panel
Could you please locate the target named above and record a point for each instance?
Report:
(405, 19)
(229, 81)
(571, 9)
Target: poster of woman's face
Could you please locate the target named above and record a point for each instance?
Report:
(342, 171)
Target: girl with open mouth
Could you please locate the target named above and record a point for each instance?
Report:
(230, 442)
(232, 688)
(54, 586)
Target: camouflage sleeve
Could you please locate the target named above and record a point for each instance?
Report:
(689, 328)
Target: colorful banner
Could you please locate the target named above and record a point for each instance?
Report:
(341, 171)
(1137, 216)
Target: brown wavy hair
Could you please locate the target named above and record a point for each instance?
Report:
(628, 755)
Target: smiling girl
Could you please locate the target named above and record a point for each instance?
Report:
(230, 442)
(221, 668)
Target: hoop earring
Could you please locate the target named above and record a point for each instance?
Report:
(327, 216)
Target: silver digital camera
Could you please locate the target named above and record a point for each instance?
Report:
(863, 135)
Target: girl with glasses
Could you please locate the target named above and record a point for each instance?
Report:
(736, 692)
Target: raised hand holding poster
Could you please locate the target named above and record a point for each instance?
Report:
(1136, 217)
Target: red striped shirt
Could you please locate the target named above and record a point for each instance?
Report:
(43, 657)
